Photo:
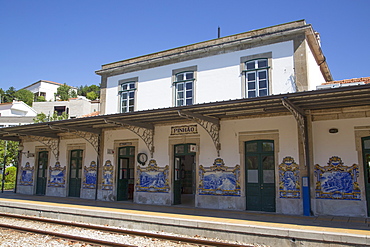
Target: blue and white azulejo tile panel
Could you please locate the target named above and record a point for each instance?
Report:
(107, 183)
(57, 176)
(27, 175)
(153, 178)
(89, 181)
(219, 180)
(289, 179)
(337, 181)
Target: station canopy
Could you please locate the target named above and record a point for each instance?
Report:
(272, 105)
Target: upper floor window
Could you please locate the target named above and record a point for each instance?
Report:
(127, 95)
(184, 88)
(256, 78)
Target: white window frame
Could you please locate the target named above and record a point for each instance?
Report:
(127, 93)
(184, 86)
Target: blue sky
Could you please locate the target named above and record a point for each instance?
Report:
(66, 41)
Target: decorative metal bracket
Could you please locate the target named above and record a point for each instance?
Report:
(210, 124)
(91, 138)
(51, 143)
(301, 119)
(144, 131)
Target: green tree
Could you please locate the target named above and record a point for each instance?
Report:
(24, 95)
(10, 174)
(84, 90)
(2, 93)
(11, 154)
(91, 95)
(65, 92)
(40, 118)
(40, 99)
(9, 95)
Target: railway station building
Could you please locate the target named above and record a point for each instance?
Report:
(231, 123)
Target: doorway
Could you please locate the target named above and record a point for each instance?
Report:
(75, 174)
(126, 173)
(184, 174)
(42, 161)
(260, 175)
(366, 157)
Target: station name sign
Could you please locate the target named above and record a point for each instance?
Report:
(184, 130)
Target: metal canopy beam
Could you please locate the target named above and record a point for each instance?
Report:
(210, 124)
(144, 131)
(301, 119)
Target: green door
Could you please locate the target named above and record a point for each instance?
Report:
(183, 172)
(126, 173)
(75, 174)
(260, 175)
(366, 153)
(42, 160)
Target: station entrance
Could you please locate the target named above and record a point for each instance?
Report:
(75, 173)
(126, 173)
(184, 174)
(260, 175)
(42, 166)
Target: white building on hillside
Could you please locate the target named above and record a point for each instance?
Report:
(16, 113)
(47, 89)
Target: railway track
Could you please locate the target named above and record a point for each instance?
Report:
(106, 229)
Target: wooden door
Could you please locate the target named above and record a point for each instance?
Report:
(126, 173)
(260, 175)
(42, 162)
(75, 173)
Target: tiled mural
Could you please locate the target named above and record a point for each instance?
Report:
(219, 179)
(337, 181)
(152, 178)
(27, 175)
(57, 176)
(289, 179)
(107, 183)
(89, 181)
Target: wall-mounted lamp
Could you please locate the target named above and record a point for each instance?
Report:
(333, 130)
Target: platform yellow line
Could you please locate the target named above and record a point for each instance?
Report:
(199, 218)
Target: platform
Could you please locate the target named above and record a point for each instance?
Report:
(250, 227)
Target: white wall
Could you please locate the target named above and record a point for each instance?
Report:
(315, 77)
(218, 78)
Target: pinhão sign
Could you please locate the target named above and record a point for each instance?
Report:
(184, 130)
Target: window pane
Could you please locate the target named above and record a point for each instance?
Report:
(262, 84)
(268, 162)
(131, 109)
(122, 151)
(180, 77)
(262, 92)
(251, 94)
(252, 176)
(180, 149)
(189, 75)
(366, 144)
(124, 86)
(252, 147)
(262, 63)
(124, 102)
(180, 102)
(132, 95)
(252, 162)
(180, 95)
(132, 85)
(189, 102)
(189, 85)
(131, 102)
(268, 176)
(262, 75)
(267, 146)
(251, 76)
(250, 65)
(132, 152)
(180, 86)
(124, 95)
(189, 94)
(251, 85)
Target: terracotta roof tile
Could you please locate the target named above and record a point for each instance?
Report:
(95, 113)
(366, 80)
